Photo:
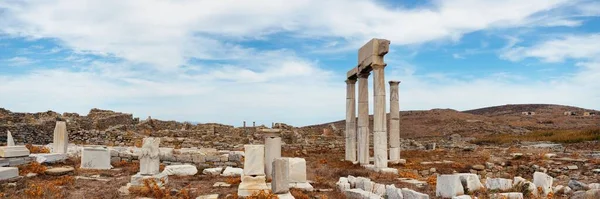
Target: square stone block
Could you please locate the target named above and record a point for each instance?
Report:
(160, 179)
(251, 184)
(254, 162)
(95, 158)
(297, 170)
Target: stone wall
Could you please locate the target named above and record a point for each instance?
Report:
(201, 157)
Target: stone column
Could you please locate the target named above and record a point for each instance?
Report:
(379, 118)
(394, 134)
(61, 138)
(363, 118)
(351, 120)
(272, 151)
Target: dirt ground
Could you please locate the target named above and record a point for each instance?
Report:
(324, 168)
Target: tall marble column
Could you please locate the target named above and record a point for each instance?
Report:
(379, 117)
(61, 138)
(394, 134)
(351, 120)
(363, 118)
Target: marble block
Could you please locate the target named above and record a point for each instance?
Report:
(281, 176)
(254, 161)
(48, 157)
(448, 186)
(61, 138)
(95, 158)
(297, 170)
(8, 172)
(13, 151)
(9, 139)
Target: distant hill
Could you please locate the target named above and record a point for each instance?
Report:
(486, 121)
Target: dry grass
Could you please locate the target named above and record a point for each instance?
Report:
(233, 180)
(299, 194)
(37, 149)
(558, 136)
(151, 189)
(49, 189)
(33, 167)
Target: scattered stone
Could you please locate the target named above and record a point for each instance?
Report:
(594, 185)
(448, 186)
(577, 186)
(8, 173)
(592, 193)
(411, 194)
(230, 172)
(281, 176)
(462, 197)
(29, 175)
(478, 167)
(392, 192)
(212, 171)
(470, 181)
(124, 190)
(511, 195)
(360, 194)
(181, 170)
(549, 155)
(544, 181)
(58, 171)
(498, 184)
(221, 184)
(211, 196)
(343, 184)
(252, 184)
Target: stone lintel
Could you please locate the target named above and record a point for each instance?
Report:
(373, 51)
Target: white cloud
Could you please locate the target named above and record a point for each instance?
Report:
(18, 61)
(557, 50)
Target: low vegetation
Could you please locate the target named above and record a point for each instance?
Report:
(558, 136)
(37, 149)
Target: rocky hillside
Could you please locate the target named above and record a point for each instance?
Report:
(486, 121)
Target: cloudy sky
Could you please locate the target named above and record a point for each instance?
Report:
(269, 61)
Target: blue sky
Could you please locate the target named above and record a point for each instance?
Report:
(285, 61)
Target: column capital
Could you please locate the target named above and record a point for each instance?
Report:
(364, 74)
(351, 81)
(378, 66)
(394, 82)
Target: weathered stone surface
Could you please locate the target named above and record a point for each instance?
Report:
(210, 196)
(254, 162)
(61, 138)
(363, 119)
(230, 171)
(462, 197)
(409, 193)
(364, 184)
(272, 151)
(57, 171)
(350, 132)
(392, 192)
(8, 173)
(511, 195)
(343, 184)
(9, 139)
(360, 194)
(448, 186)
(498, 184)
(95, 158)
(470, 181)
(378, 189)
(252, 184)
(305, 186)
(49, 157)
(544, 181)
(281, 176)
(149, 157)
(160, 179)
(297, 170)
(181, 170)
(212, 171)
(478, 167)
(372, 52)
(13, 151)
(576, 185)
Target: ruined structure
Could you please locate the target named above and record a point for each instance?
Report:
(370, 58)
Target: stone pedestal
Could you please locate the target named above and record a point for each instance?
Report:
(281, 176)
(272, 151)
(379, 117)
(394, 131)
(61, 138)
(254, 160)
(350, 120)
(251, 184)
(95, 158)
(363, 118)
(13, 151)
